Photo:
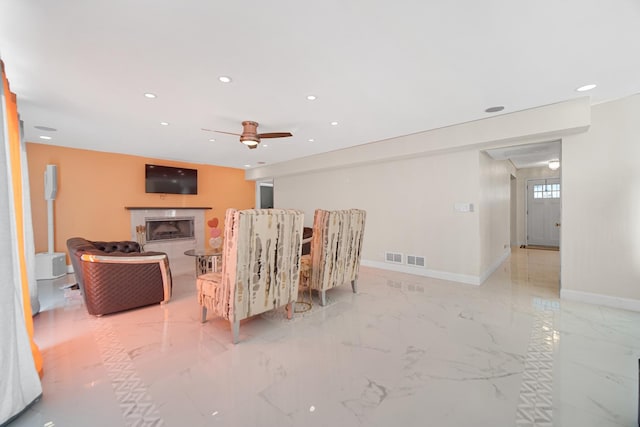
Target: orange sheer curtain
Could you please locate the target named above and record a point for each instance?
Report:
(13, 128)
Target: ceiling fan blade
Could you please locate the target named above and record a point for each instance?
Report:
(274, 135)
(219, 131)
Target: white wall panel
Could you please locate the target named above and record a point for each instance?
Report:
(601, 204)
(495, 212)
(409, 204)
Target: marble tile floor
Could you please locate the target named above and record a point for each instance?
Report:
(406, 350)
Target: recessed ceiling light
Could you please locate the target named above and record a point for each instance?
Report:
(494, 109)
(46, 128)
(265, 145)
(212, 140)
(45, 137)
(164, 123)
(586, 88)
(311, 97)
(334, 123)
(311, 139)
(247, 166)
(225, 79)
(150, 95)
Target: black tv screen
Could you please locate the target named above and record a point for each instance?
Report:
(170, 180)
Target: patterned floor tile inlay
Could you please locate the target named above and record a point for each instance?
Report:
(535, 404)
(138, 410)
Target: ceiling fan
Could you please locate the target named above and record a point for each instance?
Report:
(250, 136)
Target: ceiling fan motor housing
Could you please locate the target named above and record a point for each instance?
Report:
(250, 134)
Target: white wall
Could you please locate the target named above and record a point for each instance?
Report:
(601, 207)
(410, 208)
(409, 186)
(495, 212)
(522, 176)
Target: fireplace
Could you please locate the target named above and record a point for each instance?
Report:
(176, 228)
(172, 230)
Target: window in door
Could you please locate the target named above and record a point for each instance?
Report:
(546, 191)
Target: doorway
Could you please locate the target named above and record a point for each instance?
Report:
(543, 212)
(264, 195)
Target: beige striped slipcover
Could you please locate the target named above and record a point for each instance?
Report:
(336, 247)
(260, 265)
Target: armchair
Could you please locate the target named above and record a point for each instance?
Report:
(260, 266)
(336, 245)
(116, 276)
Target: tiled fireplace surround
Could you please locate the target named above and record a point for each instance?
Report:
(179, 262)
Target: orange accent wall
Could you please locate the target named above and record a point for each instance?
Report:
(94, 187)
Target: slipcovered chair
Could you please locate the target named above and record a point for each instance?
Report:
(260, 266)
(336, 245)
(117, 276)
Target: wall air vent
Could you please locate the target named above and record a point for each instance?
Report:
(417, 261)
(393, 257)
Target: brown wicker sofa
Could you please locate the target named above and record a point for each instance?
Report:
(117, 276)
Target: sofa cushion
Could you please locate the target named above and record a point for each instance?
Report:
(123, 246)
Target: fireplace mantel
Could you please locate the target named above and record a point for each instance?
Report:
(144, 208)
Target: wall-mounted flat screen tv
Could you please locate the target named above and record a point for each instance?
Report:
(170, 180)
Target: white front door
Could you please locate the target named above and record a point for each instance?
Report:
(543, 212)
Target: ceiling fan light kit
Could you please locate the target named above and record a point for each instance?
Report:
(249, 141)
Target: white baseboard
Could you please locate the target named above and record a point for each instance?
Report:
(419, 271)
(437, 274)
(599, 299)
(496, 264)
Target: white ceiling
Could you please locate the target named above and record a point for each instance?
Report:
(380, 68)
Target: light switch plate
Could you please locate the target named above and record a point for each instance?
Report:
(463, 207)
